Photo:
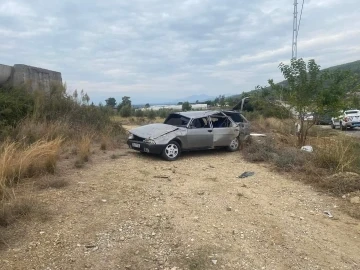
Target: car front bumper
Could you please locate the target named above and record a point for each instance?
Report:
(352, 124)
(144, 147)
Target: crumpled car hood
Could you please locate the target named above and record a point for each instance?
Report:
(153, 131)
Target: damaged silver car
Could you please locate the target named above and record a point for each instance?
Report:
(187, 131)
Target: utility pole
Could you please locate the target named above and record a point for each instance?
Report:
(295, 31)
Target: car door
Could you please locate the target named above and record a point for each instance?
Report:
(241, 121)
(224, 129)
(199, 134)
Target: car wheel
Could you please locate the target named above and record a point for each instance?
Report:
(332, 125)
(342, 127)
(234, 145)
(171, 151)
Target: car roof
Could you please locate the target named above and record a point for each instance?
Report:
(197, 114)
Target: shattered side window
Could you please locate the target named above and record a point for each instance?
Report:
(177, 120)
(219, 121)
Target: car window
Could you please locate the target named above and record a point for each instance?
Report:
(236, 117)
(220, 121)
(200, 123)
(351, 112)
(177, 120)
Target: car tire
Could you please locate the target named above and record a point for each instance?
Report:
(342, 127)
(171, 151)
(234, 145)
(332, 125)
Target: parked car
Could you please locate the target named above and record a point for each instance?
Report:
(187, 131)
(347, 119)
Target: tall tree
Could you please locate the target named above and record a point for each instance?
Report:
(308, 89)
(111, 102)
(126, 102)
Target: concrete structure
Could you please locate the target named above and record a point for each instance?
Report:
(31, 77)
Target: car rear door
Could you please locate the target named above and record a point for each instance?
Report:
(200, 134)
(241, 121)
(224, 129)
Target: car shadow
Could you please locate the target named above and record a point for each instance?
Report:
(184, 155)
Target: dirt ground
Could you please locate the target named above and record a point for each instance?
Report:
(140, 212)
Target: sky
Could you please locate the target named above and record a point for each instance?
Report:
(163, 50)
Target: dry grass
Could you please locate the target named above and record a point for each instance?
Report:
(136, 120)
(55, 183)
(333, 166)
(30, 131)
(83, 150)
(20, 208)
(18, 162)
(338, 154)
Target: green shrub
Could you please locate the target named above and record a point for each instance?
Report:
(125, 111)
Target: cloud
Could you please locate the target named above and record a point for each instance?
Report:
(156, 49)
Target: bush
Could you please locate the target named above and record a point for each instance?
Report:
(151, 114)
(290, 158)
(139, 113)
(259, 150)
(338, 155)
(15, 104)
(125, 111)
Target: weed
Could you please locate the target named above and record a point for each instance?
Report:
(18, 162)
(20, 208)
(79, 164)
(259, 150)
(103, 146)
(56, 183)
(339, 154)
(84, 148)
(290, 158)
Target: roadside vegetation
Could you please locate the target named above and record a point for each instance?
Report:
(334, 164)
(36, 128)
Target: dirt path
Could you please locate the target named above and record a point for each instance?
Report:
(139, 212)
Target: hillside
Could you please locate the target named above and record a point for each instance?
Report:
(352, 66)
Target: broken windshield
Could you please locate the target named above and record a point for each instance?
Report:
(177, 120)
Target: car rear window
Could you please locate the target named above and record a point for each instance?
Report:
(351, 112)
(236, 117)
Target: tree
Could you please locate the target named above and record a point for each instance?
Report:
(222, 100)
(147, 105)
(186, 106)
(310, 90)
(180, 103)
(111, 102)
(126, 102)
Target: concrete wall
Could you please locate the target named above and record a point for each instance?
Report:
(32, 77)
(5, 73)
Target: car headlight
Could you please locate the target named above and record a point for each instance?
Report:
(131, 136)
(150, 141)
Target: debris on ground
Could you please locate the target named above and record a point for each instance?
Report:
(246, 174)
(257, 135)
(307, 148)
(162, 176)
(355, 200)
(328, 214)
